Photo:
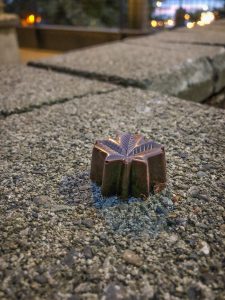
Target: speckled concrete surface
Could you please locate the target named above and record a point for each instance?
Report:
(171, 69)
(199, 35)
(23, 88)
(61, 240)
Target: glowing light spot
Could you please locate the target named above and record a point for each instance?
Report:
(200, 23)
(38, 19)
(207, 18)
(187, 17)
(30, 19)
(160, 23)
(158, 4)
(153, 23)
(170, 22)
(190, 25)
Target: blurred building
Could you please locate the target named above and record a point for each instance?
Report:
(169, 7)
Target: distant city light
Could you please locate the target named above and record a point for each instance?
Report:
(154, 23)
(207, 17)
(205, 7)
(161, 23)
(38, 19)
(169, 23)
(158, 3)
(190, 25)
(187, 17)
(200, 23)
(168, 8)
(30, 19)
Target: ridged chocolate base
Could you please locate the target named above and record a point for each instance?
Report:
(128, 166)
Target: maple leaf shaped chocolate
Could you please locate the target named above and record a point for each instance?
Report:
(128, 166)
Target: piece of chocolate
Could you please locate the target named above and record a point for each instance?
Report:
(128, 165)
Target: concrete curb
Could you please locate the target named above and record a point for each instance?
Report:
(195, 79)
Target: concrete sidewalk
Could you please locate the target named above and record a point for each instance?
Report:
(62, 240)
(187, 72)
(24, 88)
(59, 238)
(197, 35)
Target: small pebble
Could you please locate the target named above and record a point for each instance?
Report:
(42, 200)
(41, 279)
(88, 252)
(201, 174)
(114, 291)
(132, 258)
(88, 223)
(204, 248)
(194, 191)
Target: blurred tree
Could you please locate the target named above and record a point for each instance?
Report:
(152, 6)
(70, 12)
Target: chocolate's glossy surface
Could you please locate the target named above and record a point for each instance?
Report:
(128, 165)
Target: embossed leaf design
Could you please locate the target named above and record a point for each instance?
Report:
(127, 145)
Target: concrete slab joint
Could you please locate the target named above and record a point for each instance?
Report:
(24, 89)
(192, 72)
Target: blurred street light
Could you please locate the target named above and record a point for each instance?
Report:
(158, 3)
(154, 23)
(190, 25)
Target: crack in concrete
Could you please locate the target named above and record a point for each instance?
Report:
(195, 43)
(209, 101)
(22, 110)
(113, 79)
(124, 82)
